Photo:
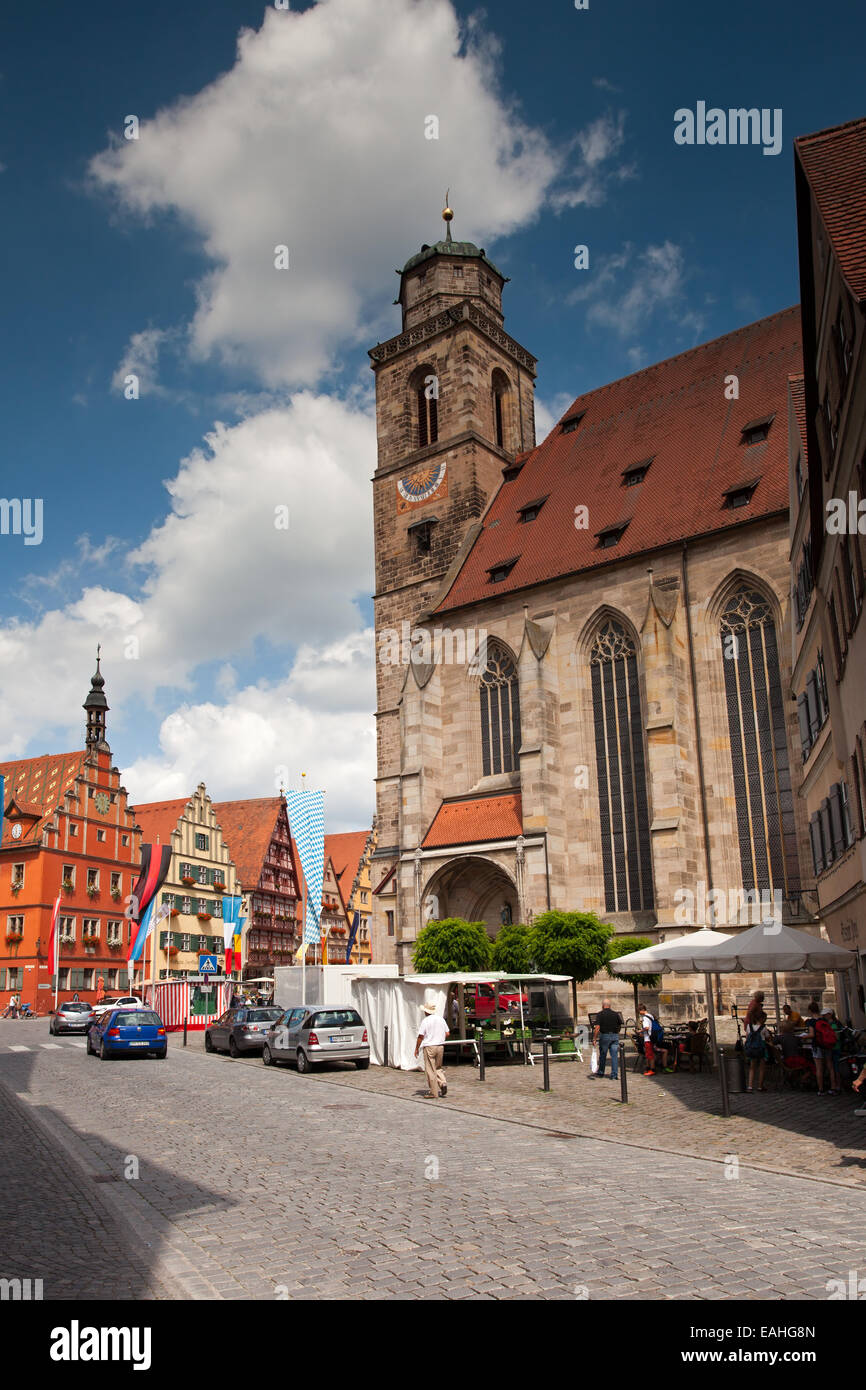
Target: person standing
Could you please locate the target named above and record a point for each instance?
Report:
(11, 1007)
(431, 1036)
(755, 1047)
(606, 1037)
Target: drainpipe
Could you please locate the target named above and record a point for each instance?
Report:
(700, 753)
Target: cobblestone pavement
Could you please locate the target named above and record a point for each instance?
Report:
(259, 1183)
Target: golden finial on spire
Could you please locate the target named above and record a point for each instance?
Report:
(447, 214)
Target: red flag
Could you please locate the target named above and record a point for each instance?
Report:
(53, 944)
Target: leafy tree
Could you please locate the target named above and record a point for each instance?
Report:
(570, 943)
(451, 944)
(512, 951)
(623, 946)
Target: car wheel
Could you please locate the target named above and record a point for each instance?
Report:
(208, 1044)
(304, 1063)
(362, 1063)
(51, 1029)
(90, 1051)
(233, 1048)
(104, 1054)
(161, 1056)
(267, 1056)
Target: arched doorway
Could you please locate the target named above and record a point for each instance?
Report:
(474, 888)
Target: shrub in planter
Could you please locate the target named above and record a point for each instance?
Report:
(68, 886)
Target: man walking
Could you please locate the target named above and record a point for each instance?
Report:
(431, 1036)
(606, 1037)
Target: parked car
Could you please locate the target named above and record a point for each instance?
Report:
(481, 1000)
(311, 1035)
(124, 1032)
(240, 1030)
(126, 1001)
(71, 1017)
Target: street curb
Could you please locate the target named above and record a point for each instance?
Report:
(172, 1271)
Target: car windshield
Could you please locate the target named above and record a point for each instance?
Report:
(138, 1018)
(75, 1008)
(337, 1018)
(263, 1015)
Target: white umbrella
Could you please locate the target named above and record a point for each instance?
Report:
(771, 946)
(678, 955)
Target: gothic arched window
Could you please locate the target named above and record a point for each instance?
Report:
(759, 745)
(426, 386)
(500, 388)
(500, 713)
(619, 754)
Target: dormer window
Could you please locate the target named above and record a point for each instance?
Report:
(530, 511)
(741, 495)
(501, 571)
(610, 536)
(635, 473)
(570, 424)
(756, 431)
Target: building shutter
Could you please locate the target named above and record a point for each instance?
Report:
(815, 838)
(813, 706)
(803, 717)
(837, 826)
(826, 833)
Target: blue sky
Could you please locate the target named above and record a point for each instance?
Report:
(253, 652)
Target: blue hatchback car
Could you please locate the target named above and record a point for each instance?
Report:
(125, 1032)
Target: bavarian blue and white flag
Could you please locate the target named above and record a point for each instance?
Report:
(306, 812)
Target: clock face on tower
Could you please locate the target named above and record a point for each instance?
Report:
(101, 802)
(422, 486)
(16, 831)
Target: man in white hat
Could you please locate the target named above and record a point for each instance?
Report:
(431, 1036)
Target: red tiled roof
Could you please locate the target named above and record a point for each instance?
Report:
(798, 400)
(346, 851)
(472, 821)
(248, 828)
(675, 413)
(37, 785)
(834, 162)
(158, 819)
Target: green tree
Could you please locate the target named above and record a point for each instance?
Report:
(451, 944)
(512, 949)
(623, 946)
(570, 943)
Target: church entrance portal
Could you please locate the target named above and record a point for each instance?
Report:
(473, 888)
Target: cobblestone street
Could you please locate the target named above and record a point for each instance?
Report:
(259, 1183)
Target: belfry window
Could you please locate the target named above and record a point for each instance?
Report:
(759, 746)
(621, 768)
(500, 388)
(427, 405)
(500, 713)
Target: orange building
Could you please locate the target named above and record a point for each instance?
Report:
(67, 830)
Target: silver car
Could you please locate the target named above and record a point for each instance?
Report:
(71, 1017)
(311, 1035)
(240, 1030)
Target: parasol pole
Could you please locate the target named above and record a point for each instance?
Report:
(776, 996)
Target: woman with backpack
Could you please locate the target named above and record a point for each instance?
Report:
(653, 1042)
(825, 1045)
(755, 1048)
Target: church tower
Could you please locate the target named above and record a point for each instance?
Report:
(454, 408)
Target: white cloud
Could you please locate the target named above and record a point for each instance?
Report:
(218, 577)
(315, 139)
(141, 359)
(547, 412)
(265, 736)
(629, 288)
(594, 170)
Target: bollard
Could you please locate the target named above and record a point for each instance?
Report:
(545, 1043)
(479, 1042)
(723, 1081)
(623, 1074)
(385, 1048)
(185, 1022)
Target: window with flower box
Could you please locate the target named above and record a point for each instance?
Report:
(202, 905)
(114, 933)
(67, 878)
(17, 875)
(203, 943)
(116, 888)
(92, 881)
(186, 942)
(186, 906)
(14, 928)
(66, 928)
(90, 929)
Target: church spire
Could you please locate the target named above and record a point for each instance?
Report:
(96, 706)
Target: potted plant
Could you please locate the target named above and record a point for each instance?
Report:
(115, 893)
(92, 890)
(171, 950)
(187, 878)
(115, 945)
(219, 886)
(17, 885)
(12, 935)
(565, 1043)
(175, 912)
(203, 916)
(67, 885)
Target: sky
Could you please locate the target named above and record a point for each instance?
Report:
(212, 528)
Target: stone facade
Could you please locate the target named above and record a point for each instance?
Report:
(669, 602)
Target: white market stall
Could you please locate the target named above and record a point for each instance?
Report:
(179, 1000)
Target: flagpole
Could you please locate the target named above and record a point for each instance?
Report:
(55, 946)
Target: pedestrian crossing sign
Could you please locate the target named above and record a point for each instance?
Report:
(208, 965)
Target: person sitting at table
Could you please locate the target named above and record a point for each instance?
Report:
(687, 1047)
(792, 1019)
